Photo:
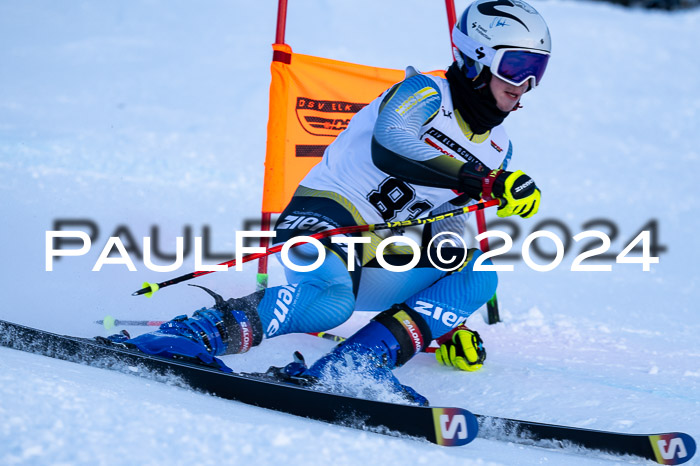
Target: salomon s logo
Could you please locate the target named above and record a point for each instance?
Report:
(673, 448)
(451, 426)
(454, 426)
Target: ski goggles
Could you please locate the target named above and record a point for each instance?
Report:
(513, 65)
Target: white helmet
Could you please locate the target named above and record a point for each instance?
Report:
(508, 36)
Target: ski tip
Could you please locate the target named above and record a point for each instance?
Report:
(673, 448)
(109, 322)
(454, 426)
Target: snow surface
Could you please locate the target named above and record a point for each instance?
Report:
(153, 113)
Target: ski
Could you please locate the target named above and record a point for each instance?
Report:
(442, 426)
(665, 448)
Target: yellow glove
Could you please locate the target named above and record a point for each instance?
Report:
(518, 193)
(461, 348)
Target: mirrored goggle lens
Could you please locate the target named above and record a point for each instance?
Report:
(519, 65)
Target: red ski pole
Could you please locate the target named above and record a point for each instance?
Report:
(150, 288)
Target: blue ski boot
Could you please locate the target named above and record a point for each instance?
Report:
(361, 365)
(229, 327)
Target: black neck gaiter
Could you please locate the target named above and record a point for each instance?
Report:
(477, 106)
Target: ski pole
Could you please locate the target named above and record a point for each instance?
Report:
(110, 322)
(339, 339)
(328, 336)
(150, 288)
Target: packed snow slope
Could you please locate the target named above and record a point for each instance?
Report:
(151, 116)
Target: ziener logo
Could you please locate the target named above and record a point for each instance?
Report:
(285, 296)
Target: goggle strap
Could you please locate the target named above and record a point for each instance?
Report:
(473, 49)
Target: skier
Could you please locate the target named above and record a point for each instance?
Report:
(428, 144)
